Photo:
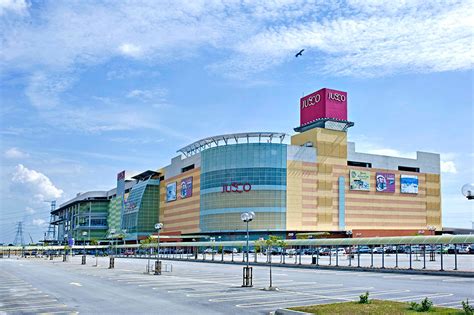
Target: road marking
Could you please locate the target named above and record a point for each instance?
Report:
(76, 284)
(397, 276)
(315, 298)
(284, 302)
(458, 280)
(313, 286)
(457, 303)
(280, 294)
(27, 302)
(414, 297)
(34, 308)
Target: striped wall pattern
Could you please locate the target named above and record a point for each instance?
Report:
(182, 215)
(318, 201)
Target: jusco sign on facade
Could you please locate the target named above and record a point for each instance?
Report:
(236, 187)
(325, 103)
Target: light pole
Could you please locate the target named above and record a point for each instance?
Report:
(247, 279)
(468, 191)
(112, 257)
(84, 234)
(158, 228)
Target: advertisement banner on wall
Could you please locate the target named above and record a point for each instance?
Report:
(359, 180)
(187, 187)
(408, 184)
(385, 182)
(171, 192)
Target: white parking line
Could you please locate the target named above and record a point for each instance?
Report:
(398, 276)
(457, 303)
(459, 280)
(286, 302)
(315, 298)
(34, 308)
(280, 294)
(415, 297)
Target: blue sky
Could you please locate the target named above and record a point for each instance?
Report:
(89, 88)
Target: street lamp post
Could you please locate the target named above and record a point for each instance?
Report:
(112, 257)
(158, 227)
(247, 276)
(468, 191)
(84, 234)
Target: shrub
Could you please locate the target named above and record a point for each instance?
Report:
(468, 309)
(426, 305)
(364, 298)
(414, 306)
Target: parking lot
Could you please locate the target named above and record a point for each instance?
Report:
(202, 288)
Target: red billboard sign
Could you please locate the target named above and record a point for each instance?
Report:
(325, 103)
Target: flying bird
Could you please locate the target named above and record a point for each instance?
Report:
(300, 53)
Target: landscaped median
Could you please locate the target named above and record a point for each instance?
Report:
(375, 307)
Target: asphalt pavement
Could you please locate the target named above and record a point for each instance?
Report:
(39, 285)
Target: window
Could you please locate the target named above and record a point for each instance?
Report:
(187, 168)
(409, 169)
(359, 164)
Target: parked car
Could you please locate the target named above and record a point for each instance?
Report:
(210, 251)
(377, 250)
(363, 249)
(290, 252)
(338, 251)
(324, 252)
(230, 250)
(128, 252)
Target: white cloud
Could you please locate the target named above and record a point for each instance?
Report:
(355, 38)
(138, 140)
(157, 95)
(40, 222)
(448, 167)
(15, 6)
(15, 153)
(131, 50)
(368, 42)
(39, 184)
(44, 90)
(30, 210)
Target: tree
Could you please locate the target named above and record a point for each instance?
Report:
(258, 244)
(273, 241)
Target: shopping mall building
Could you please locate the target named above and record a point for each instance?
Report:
(308, 184)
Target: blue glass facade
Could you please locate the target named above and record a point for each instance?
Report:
(239, 178)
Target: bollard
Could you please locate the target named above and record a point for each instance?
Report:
(157, 267)
(83, 260)
(455, 257)
(64, 257)
(396, 256)
(424, 257)
(441, 257)
(112, 263)
(51, 256)
(247, 277)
